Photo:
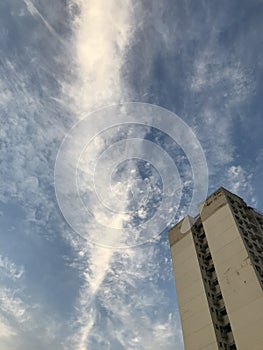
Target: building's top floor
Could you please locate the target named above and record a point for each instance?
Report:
(215, 201)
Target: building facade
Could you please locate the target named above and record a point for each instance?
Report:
(218, 266)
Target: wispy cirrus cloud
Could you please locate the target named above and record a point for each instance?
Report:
(240, 182)
(128, 304)
(13, 309)
(66, 62)
(206, 76)
(101, 34)
(23, 318)
(9, 269)
(108, 290)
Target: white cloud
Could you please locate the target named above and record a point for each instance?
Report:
(5, 97)
(102, 32)
(22, 320)
(9, 269)
(32, 9)
(221, 83)
(239, 182)
(125, 285)
(6, 331)
(13, 309)
(12, 305)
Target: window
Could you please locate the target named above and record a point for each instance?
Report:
(231, 200)
(219, 296)
(211, 269)
(250, 245)
(227, 328)
(259, 238)
(259, 249)
(258, 267)
(223, 311)
(208, 256)
(232, 347)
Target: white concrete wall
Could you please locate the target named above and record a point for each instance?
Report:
(198, 329)
(240, 287)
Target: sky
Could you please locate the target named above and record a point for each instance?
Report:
(117, 119)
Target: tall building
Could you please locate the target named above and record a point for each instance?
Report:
(218, 267)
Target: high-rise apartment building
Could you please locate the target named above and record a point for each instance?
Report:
(218, 267)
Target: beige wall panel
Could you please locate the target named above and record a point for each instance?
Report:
(240, 287)
(198, 330)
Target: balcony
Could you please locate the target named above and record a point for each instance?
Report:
(207, 255)
(216, 302)
(201, 237)
(220, 318)
(210, 265)
(213, 284)
(209, 273)
(203, 249)
(249, 244)
(224, 334)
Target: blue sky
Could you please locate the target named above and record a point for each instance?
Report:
(59, 62)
